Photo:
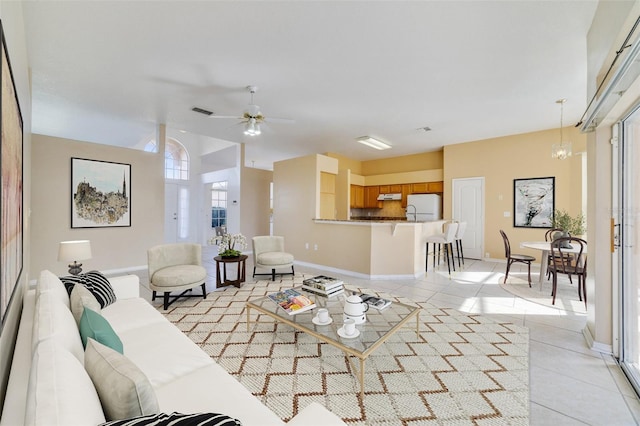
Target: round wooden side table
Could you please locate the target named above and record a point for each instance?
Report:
(221, 270)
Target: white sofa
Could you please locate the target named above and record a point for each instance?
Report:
(52, 390)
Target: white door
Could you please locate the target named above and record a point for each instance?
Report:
(468, 206)
(176, 213)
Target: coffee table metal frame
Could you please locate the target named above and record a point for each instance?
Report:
(360, 347)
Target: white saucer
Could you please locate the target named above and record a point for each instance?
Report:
(316, 321)
(341, 333)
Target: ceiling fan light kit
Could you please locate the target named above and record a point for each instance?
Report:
(252, 128)
(373, 142)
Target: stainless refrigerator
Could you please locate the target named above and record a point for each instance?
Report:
(423, 207)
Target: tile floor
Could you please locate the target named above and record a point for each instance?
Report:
(570, 384)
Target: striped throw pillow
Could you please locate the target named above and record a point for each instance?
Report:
(96, 283)
(177, 419)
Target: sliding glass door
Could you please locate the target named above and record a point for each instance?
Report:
(627, 235)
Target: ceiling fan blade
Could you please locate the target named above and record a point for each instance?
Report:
(226, 116)
(279, 120)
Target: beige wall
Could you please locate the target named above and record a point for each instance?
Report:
(295, 192)
(254, 202)
(405, 163)
(112, 248)
(500, 161)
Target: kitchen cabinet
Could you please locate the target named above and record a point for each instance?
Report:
(405, 190)
(357, 197)
(420, 188)
(371, 197)
(436, 187)
(427, 187)
(391, 189)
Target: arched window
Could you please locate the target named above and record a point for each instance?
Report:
(176, 161)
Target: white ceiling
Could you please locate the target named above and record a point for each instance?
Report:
(110, 71)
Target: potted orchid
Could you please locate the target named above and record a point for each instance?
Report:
(572, 225)
(229, 245)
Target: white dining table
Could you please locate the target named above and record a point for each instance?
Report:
(545, 248)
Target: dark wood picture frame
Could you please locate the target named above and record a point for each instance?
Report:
(11, 190)
(100, 194)
(534, 202)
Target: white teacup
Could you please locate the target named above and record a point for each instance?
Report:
(349, 327)
(323, 315)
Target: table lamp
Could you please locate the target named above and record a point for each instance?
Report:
(74, 251)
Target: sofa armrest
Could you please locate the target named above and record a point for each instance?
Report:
(125, 286)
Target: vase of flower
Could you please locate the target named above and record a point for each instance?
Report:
(230, 245)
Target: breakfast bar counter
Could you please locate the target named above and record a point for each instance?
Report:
(375, 249)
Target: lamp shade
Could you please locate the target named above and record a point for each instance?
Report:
(74, 250)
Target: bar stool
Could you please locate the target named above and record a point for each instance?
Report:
(462, 226)
(447, 238)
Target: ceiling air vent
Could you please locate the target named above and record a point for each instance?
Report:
(202, 111)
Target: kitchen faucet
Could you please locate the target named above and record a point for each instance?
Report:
(415, 212)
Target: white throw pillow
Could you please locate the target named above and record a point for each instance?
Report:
(60, 391)
(80, 298)
(49, 282)
(123, 388)
(53, 320)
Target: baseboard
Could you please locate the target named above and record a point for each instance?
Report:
(596, 346)
(358, 274)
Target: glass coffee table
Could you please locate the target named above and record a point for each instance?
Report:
(380, 325)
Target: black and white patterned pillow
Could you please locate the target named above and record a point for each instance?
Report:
(177, 419)
(95, 282)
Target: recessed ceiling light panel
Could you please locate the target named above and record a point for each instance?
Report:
(373, 143)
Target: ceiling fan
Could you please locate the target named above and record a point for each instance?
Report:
(252, 117)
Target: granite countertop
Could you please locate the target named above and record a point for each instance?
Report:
(379, 218)
(368, 220)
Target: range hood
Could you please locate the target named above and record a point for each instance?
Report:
(384, 197)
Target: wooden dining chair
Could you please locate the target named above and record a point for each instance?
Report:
(548, 236)
(573, 263)
(515, 258)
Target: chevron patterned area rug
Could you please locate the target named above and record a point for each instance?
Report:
(464, 369)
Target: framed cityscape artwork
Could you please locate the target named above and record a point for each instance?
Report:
(533, 202)
(100, 194)
(11, 200)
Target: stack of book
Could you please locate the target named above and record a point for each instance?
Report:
(292, 301)
(323, 286)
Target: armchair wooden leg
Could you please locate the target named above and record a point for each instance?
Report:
(204, 291)
(153, 296)
(166, 300)
(273, 274)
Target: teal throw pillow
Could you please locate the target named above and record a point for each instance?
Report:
(94, 325)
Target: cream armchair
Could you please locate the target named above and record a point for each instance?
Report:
(176, 267)
(268, 253)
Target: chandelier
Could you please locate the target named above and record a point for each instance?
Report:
(561, 150)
